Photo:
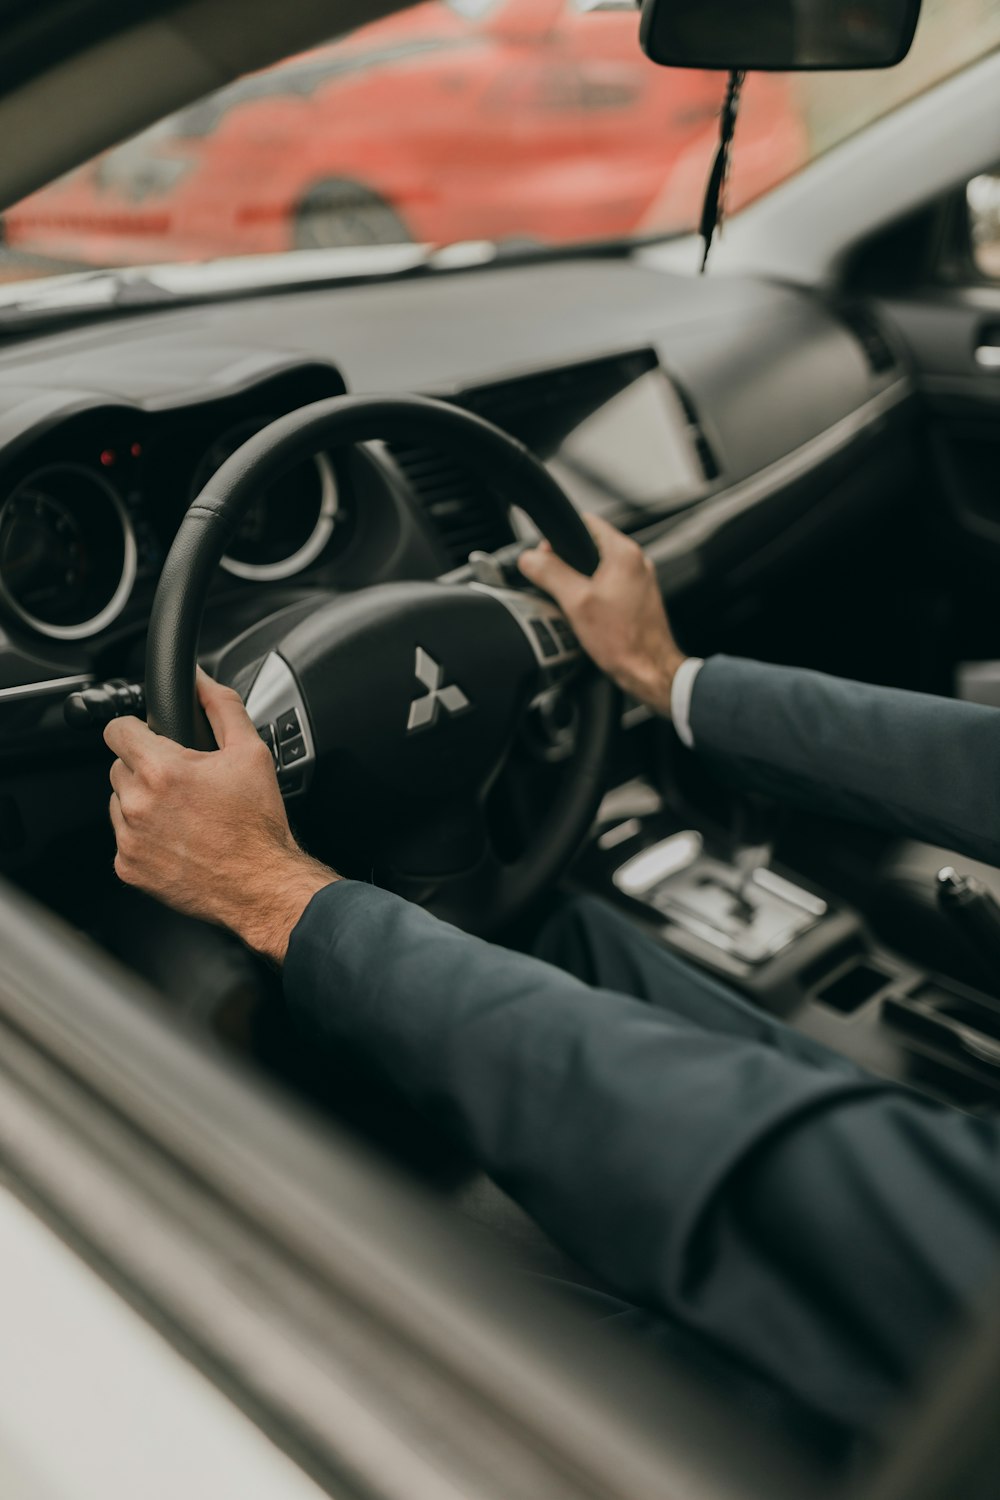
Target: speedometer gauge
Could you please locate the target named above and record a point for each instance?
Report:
(67, 552)
(288, 525)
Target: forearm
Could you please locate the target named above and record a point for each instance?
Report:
(678, 1165)
(906, 762)
(555, 1086)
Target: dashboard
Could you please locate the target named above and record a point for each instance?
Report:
(723, 422)
(88, 511)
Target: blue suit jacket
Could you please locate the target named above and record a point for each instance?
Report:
(818, 1226)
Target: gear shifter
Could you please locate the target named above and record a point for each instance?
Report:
(738, 905)
(753, 845)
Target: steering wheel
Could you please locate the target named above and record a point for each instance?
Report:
(394, 708)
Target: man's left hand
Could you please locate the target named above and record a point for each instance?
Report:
(207, 833)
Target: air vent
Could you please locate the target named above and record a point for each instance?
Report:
(462, 513)
(542, 409)
(866, 329)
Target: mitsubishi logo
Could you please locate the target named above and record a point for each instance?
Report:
(424, 710)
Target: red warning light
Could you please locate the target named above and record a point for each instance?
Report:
(108, 457)
(136, 450)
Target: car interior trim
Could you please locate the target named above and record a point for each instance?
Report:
(383, 1317)
(274, 696)
(311, 549)
(56, 686)
(698, 525)
(178, 1421)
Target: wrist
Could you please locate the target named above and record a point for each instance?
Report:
(267, 919)
(654, 685)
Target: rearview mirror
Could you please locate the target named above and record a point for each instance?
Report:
(778, 36)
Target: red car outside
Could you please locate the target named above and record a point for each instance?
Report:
(534, 120)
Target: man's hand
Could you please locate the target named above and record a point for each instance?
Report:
(618, 614)
(207, 833)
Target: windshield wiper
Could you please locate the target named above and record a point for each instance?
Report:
(92, 292)
(76, 297)
(77, 291)
(85, 294)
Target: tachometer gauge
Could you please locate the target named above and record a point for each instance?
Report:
(287, 526)
(67, 552)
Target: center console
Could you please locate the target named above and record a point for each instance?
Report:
(793, 949)
(750, 915)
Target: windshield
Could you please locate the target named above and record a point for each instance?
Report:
(518, 122)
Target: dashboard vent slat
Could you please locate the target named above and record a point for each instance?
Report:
(463, 514)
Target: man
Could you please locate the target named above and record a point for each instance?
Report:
(804, 1229)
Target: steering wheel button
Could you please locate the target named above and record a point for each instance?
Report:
(288, 726)
(266, 732)
(546, 640)
(293, 750)
(564, 635)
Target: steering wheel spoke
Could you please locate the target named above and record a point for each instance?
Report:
(277, 707)
(467, 873)
(440, 843)
(554, 646)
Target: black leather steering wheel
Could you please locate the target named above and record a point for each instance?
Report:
(406, 696)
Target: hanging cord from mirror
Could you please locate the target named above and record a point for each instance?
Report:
(714, 210)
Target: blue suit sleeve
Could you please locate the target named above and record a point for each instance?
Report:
(905, 762)
(819, 1227)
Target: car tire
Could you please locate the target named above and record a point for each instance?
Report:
(336, 214)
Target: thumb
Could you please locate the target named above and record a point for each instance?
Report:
(224, 710)
(543, 568)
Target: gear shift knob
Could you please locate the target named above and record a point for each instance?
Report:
(754, 837)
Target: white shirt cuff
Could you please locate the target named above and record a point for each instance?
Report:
(680, 698)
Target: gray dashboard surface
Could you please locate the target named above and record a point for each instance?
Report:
(769, 368)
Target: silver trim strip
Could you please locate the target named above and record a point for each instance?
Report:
(640, 713)
(274, 692)
(706, 517)
(777, 885)
(620, 834)
(53, 685)
(311, 549)
(528, 606)
(650, 867)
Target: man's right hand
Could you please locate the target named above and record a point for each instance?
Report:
(618, 614)
(206, 831)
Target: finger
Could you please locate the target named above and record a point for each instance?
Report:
(117, 817)
(549, 572)
(610, 541)
(133, 742)
(224, 710)
(120, 776)
(601, 530)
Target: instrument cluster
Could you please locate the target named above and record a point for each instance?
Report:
(68, 551)
(83, 532)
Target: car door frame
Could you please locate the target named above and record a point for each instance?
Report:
(365, 1330)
